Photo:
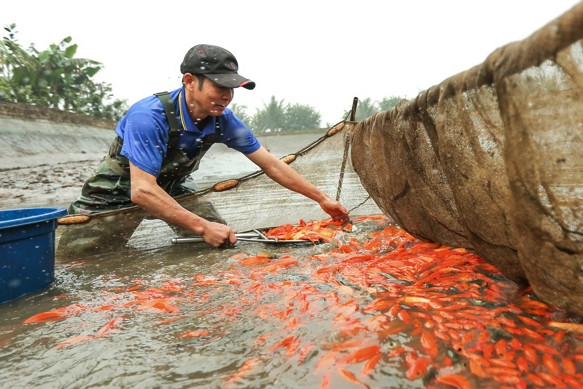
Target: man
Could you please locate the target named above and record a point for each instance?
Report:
(151, 160)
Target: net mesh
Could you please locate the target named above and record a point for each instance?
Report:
(491, 159)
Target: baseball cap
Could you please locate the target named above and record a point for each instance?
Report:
(215, 63)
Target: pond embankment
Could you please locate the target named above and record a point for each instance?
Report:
(45, 154)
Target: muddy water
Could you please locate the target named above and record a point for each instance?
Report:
(202, 332)
(211, 316)
(372, 307)
(357, 311)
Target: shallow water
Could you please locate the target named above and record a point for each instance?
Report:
(223, 163)
(373, 307)
(205, 290)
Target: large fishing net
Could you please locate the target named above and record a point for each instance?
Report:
(491, 159)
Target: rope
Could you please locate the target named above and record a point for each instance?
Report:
(359, 205)
(343, 168)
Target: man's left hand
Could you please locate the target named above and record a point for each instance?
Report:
(334, 209)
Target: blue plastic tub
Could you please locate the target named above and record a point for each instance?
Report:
(27, 250)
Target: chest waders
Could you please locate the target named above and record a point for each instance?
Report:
(109, 188)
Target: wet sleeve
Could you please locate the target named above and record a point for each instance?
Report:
(237, 135)
(144, 141)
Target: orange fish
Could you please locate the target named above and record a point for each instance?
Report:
(572, 327)
(304, 352)
(326, 360)
(370, 365)
(255, 260)
(351, 377)
(160, 303)
(56, 314)
(195, 333)
(75, 339)
(275, 265)
(361, 355)
(416, 366)
(247, 366)
(429, 344)
(551, 364)
(454, 380)
(553, 381)
(325, 384)
(284, 342)
(108, 328)
(45, 316)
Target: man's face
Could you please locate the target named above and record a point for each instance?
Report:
(206, 99)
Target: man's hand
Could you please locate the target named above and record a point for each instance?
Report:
(284, 175)
(217, 234)
(334, 209)
(151, 197)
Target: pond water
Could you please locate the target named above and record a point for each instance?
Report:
(223, 163)
(368, 306)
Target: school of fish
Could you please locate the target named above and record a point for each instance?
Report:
(388, 307)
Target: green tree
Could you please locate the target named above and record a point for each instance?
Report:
(366, 108)
(389, 102)
(301, 117)
(53, 78)
(270, 118)
(240, 111)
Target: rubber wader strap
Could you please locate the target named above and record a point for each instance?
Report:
(170, 111)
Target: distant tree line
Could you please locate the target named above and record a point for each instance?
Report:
(366, 107)
(276, 116)
(53, 78)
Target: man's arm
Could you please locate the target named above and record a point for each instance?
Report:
(146, 193)
(284, 175)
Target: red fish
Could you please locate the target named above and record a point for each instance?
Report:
(195, 334)
(455, 380)
(109, 327)
(360, 355)
(255, 260)
(162, 304)
(351, 377)
(45, 316)
(416, 366)
(429, 344)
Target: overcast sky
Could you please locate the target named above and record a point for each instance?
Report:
(314, 52)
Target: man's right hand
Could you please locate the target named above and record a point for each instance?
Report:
(217, 234)
(151, 197)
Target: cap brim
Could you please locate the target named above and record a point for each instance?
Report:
(231, 80)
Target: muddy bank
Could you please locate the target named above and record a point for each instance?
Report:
(45, 155)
